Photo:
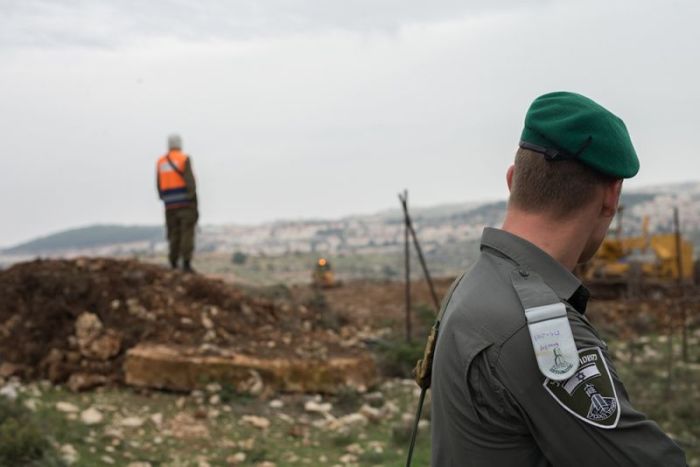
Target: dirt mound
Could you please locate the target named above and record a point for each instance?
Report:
(77, 318)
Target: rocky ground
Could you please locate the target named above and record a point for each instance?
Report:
(217, 427)
(67, 328)
(75, 321)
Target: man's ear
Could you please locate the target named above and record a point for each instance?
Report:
(611, 198)
(509, 177)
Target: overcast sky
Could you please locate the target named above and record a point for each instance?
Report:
(318, 108)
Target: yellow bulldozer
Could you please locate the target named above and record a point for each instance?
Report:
(637, 266)
(322, 275)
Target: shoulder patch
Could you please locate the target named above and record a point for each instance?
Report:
(590, 393)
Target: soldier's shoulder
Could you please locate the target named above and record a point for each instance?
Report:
(484, 302)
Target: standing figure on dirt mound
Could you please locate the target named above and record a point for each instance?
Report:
(178, 190)
(520, 377)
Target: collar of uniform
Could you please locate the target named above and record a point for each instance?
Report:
(563, 282)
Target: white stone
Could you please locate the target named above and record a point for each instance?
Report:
(91, 416)
(9, 391)
(69, 454)
(313, 406)
(31, 404)
(67, 407)
(276, 404)
(372, 414)
(390, 409)
(348, 459)
(261, 423)
(131, 422)
(207, 322)
(354, 448)
(236, 459)
(157, 419)
(353, 420)
(285, 418)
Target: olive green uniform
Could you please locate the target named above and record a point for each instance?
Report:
(491, 404)
(181, 221)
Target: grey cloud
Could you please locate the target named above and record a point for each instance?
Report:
(103, 23)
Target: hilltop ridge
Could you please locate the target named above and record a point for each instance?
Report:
(381, 232)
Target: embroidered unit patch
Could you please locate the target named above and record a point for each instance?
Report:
(590, 393)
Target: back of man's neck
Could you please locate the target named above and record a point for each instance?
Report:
(561, 240)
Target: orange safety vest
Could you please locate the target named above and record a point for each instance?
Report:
(171, 180)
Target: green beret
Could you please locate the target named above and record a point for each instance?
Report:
(568, 126)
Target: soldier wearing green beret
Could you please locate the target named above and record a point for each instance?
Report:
(520, 376)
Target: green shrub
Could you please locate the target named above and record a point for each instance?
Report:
(348, 400)
(21, 440)
(397, 358)
(239, 258)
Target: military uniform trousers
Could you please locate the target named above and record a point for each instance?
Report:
(181, 223)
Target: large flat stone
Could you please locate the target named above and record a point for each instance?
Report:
(185, 369)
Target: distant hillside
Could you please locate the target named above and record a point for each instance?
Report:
(88, 237)
(446, 231)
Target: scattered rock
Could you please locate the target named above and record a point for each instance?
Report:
(85, 381)
(91, 416)
(54, 365)
(236, 459)
(131, 422)
(276, 404)
(107, 460)
(8, 369)
(253, 385)
(390, 409)
(67, 407)
(9, 391)
(31, 404)
(313, 406)
(261, 423)
(103, 347)
(207, 322)
(184, 426)
(353, 420)
(157, 419)
(87, 328)
(354, 448)
(372, 414)
(247, 444)
(348, 459)
(69, 454)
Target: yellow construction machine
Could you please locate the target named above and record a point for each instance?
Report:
(323, 276)
(639, 266)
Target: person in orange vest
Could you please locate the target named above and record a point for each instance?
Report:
(178, 191)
